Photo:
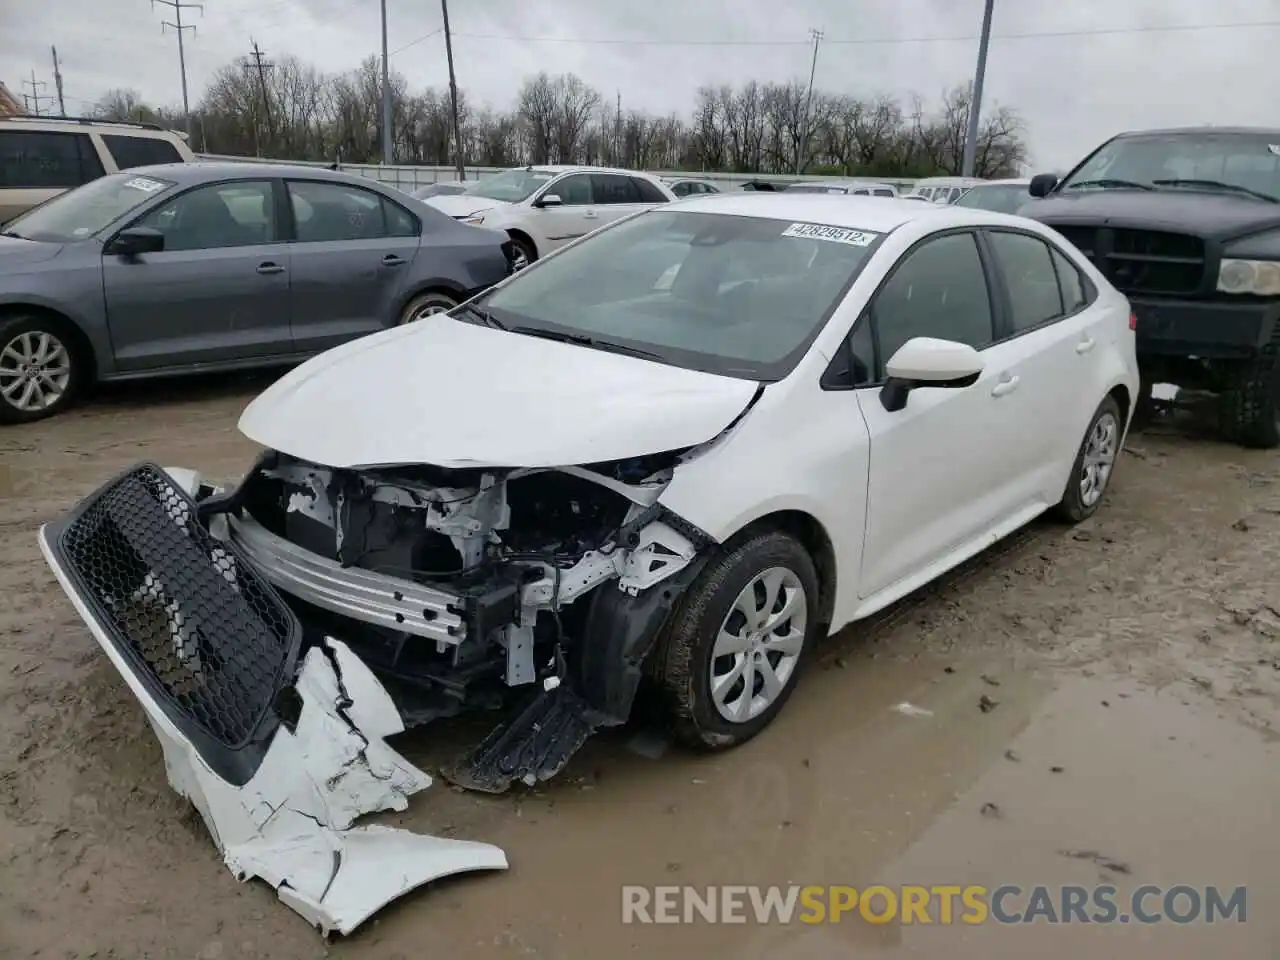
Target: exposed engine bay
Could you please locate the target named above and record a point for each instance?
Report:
(458, 586)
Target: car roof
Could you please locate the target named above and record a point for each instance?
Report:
(875, 214)
(559, 168)
(205, 171)
(1186, 131)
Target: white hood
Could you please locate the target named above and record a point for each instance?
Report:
(455, 394)
(461, 205)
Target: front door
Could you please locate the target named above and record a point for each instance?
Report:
(938, 477)
(218, 292)
(352, 252)
(575, 215)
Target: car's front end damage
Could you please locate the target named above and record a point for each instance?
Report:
(276, 631)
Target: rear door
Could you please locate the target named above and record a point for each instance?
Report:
(351, 253)
(36, 165)
(218, 292)
(616, 196)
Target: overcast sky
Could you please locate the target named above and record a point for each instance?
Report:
(1074, 84)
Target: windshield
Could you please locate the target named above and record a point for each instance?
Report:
(510, 185)
(1000, 197)
(738, 296)
(1244, 161)
(87, 210)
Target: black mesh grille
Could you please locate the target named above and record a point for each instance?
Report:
(204, 629)
(1141, 261)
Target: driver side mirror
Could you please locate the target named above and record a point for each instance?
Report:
(135, 241)
(1042, 184)
(928, 362)
(549, 200)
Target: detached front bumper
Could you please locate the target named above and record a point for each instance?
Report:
(280, 758)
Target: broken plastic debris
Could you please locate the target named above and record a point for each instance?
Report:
(911, 710)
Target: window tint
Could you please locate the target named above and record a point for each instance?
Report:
(862, 348)
(1030, 278)
(235, 214)
(400, 223)
(651, 194)
(35, 160)
(573, 190)
(939, 290)
(614, 188)
(335, 211)
(1071, 283)
(140, 151)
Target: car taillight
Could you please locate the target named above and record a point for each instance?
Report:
(1133, 320)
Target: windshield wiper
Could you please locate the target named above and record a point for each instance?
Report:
(1217, 185)
(12, 233)
(585, 340)
(484, 316)
(1110, 182)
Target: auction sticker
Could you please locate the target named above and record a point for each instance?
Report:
(818, 231)
(145, 185)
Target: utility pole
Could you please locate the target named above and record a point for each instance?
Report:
(453, 93)
(387, 156)
(263, 67)
(617, 132)
(178, 6)
(57, 81)
(975, 95)
(33, 99)
(803, 142)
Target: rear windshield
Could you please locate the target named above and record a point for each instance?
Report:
(89, 209)
(739, 296)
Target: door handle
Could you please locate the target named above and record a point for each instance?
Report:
(1006, 386)
(1085, 345)
(391, 260)
(590, 215)
(270, 267)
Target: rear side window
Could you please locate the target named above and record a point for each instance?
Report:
(33, 159)
(1030, 278)
(326, 212)
(651, 194)
(614, 188)
(1074, 295)
(140, 151)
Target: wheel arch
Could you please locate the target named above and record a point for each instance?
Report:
(812, 535)
(435, 285)
(78, 340)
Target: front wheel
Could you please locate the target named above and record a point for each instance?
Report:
(39, 372)
(1094, 464)
(731, 658)
(1249, 409)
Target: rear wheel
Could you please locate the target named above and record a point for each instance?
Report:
(731, 658)
(427, 305)
(40, 373)
(1095, 462)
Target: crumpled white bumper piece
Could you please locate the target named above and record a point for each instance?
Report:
(291, 824)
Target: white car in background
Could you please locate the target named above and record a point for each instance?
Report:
(689, 448)
(1002, 196)
(943, 189)
(544, 207)
(854, 188)
(690, 186)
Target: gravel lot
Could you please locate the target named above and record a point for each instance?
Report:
(1134, 662)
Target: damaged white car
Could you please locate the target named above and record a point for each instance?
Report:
(683, 449)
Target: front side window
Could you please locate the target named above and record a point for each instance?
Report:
(326, 212)
(510, 186)
(36, 160)
(939, 290)
(140, 151)
(1231, 162)
(739, 296)
(88, 210)
(1030, 278)
(237, 214)
(573, 190)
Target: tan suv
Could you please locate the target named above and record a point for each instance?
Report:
(41, 157)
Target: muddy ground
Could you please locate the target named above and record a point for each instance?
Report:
(1134, 663)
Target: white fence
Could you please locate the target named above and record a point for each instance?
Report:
(409, 177)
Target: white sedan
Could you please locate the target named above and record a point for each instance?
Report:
(688, 447)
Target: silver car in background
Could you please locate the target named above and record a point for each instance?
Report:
(195, 267)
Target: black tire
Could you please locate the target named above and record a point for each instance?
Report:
(525, 249)
(1249, 409)
(424, 304)
(1073, 508)
(684, 666)
(16, 332)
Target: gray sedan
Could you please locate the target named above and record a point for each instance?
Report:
(217, 266)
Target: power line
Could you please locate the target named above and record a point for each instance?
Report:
(414, 43)
(178, 6)
(871, 41)
(33, 98)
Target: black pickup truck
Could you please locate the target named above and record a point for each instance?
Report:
(1186, 223)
